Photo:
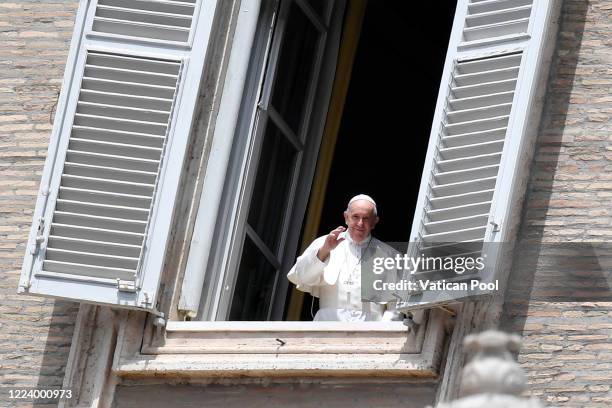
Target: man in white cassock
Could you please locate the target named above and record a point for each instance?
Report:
(330, 268)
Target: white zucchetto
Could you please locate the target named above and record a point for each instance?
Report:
(364, 197)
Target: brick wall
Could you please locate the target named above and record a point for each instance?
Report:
(35, 333)
(559, 298)
(563, 310)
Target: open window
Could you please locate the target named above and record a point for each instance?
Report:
(378, 123)
(303, 64)
(103, 215)
(108, 190)
(467, 170)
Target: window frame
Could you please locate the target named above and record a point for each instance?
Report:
(227, 230)
(215, 254)
(239, 72)
(265, 115)
(143, 352)
(539, 26)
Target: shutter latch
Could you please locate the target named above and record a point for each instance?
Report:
(126, 286)
(40, 237)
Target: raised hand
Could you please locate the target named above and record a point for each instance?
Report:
(331, 242)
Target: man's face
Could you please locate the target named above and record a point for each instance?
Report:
(360, 219)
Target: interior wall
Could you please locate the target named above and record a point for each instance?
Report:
(388, 113)
(387, 116)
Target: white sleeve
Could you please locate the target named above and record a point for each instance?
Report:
(308, 269)
(392, 314)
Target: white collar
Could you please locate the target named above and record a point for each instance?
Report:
(350, 240)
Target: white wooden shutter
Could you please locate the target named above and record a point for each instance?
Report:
(485, 115)
(109, 184)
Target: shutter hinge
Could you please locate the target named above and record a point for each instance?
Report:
(126, 286)
(160, 321)
(496, 226)
(39, 236)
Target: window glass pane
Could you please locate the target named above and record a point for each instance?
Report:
(272, 186)
(253, 292)
(295, 67)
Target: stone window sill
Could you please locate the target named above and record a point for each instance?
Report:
(283, 349)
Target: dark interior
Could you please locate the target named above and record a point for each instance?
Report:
(388, 113)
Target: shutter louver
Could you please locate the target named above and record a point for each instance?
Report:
(478, 144)
(111, 178)
(492, 19)
(113, 159)
(168, 20)
(469, 149)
